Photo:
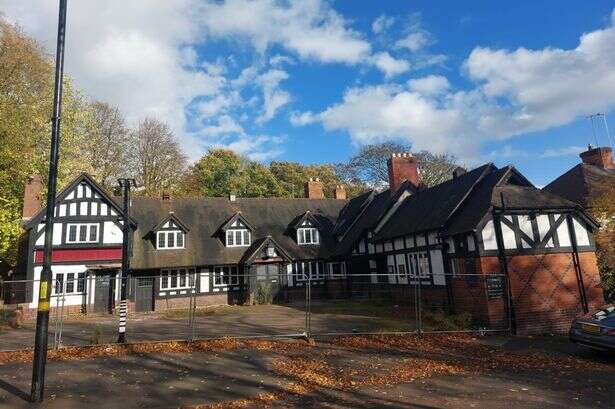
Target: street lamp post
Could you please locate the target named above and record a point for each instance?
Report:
(44, 291)
(125, 184)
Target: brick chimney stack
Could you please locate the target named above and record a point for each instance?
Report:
(340, 192)
(314, 189)
(402, 167)
(32, 197)
(166, 196)
(601, 157)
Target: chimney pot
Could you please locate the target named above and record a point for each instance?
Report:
(601, 157)
(340, 192)
(458, 171)
(402, 167)
(166, 195)
(314, 189)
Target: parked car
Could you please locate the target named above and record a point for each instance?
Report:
(596, 330)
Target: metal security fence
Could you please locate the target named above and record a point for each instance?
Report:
(190, 305)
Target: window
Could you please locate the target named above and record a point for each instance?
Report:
(401, 270)
(226, 275)
(419, 264)
(170, 239)
(308, 235)
(238, 238)
(304, 269)
(175, 279)
(337, 270)
(82, 233)
(69, 283)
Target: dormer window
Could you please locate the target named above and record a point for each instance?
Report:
(238, 238)
(236, 232)
(170, 239)
(308, 235)
(306, 226)
(170, 233)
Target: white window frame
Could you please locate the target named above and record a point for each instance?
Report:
(244, 235)
(231, 272)
(342, 270)
(188, 274)
(78, 226)
(166, 233)
(314, 236)
(61, 279)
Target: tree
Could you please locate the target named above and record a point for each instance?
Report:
(370, 165)
(217, 173)
(222, 171)
(602, 206)
(108, 139)
(26, 92)
(156, 159)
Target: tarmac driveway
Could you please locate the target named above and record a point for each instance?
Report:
(231, 321)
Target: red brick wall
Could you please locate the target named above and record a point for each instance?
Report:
(545, 292)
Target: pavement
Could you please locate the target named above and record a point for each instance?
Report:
(235, 377)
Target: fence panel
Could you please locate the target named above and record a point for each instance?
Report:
(264, 303)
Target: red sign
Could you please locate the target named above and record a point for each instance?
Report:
(90, 254)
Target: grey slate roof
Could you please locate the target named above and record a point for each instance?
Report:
(458, 205)
(205, 216)
(430, 209)
(581, 182)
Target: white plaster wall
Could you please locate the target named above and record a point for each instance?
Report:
(112, 234)
(581, 233)
(69, 299)
(57, 235)
(525, 224)
(488, 233)
(543, 227)
(563, 234)
(508, 235)
(437, 267)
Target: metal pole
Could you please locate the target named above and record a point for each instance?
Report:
(42, 315)
(125, 184)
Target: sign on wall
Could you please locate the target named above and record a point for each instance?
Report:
(495, 287)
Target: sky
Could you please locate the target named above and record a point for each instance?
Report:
(314, 80)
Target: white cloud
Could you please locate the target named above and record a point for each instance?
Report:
(280, 60)
(429, 85)
(413, 41)
(563, 151)
(259, 148)
(302, 118)
(515, 92)
(382, 23)
(224, 125)
(274, 98)
(309, 28)
(390, 66)
(552, 86)
(129, 54)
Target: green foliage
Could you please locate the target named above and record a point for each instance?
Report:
(97, 336)
(607, 276)
(26, 91)
(264, 294)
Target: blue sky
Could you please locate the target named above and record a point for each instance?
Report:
(313, 80)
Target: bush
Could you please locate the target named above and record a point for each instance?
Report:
(264, 294)
(97, 337)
